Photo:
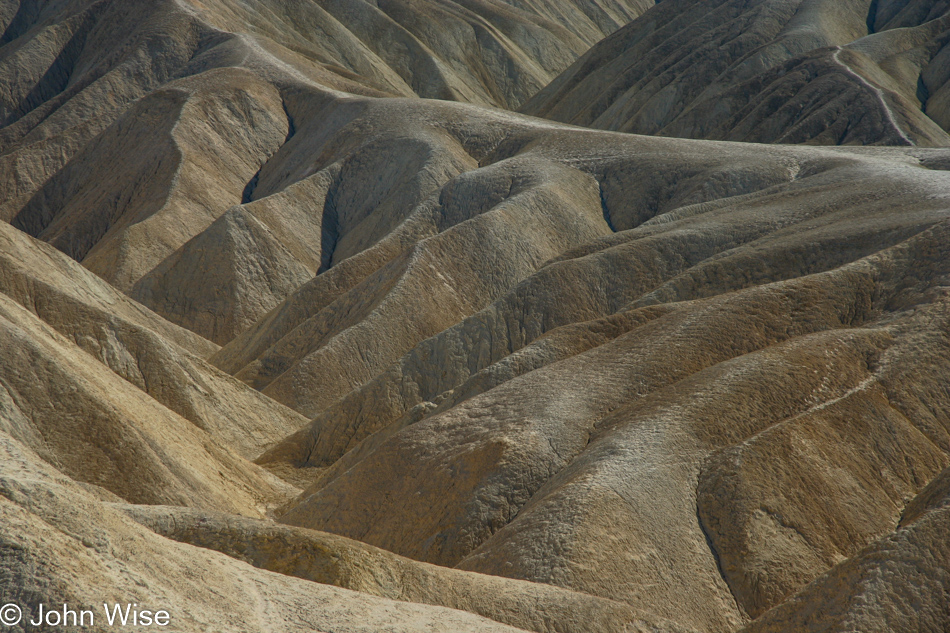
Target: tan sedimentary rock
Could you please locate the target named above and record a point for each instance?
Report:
(820, 72)
(99, 429)
(333, 560)
(162, 360)
(61, 545)
(615, 381)
(894, 584)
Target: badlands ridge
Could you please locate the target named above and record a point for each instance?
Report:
(309, 323)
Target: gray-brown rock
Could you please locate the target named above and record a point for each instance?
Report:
(66, 176)
(894, 584)
(772, 71)
(162, 360)
(490, 52)
(486, 370)
(334, 560)
(61, 545)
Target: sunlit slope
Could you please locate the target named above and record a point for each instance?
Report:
(772, 71)
(275, 323)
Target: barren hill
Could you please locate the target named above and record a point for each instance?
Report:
(288, 348)
(826, 72)
(86, 84)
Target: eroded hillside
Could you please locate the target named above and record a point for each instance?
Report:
(830, 72)
(288, 348)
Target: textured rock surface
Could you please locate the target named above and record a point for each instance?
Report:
(198, 144)
(48, 519)
(895, 584)
(162, 360)
(333, 560)
(774, 71)
(283, 325)
(98, 429)
(490, 52)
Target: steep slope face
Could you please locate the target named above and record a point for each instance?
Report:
(121, 188)
(895, 584)
(104, 390)
(79, 96)
(489, 52)
(333, 560)
(518, 213)
(661, 384)
(608, 446)
(585, 404)
(773, 71)
(100, 430)
(155, 356)
(185, 173)
(48, 519)
(895, 14)
(120, 444)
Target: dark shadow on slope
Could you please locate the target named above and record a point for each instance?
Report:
(56, 78)
(26, 16)
(872, 15)
(248, 194)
